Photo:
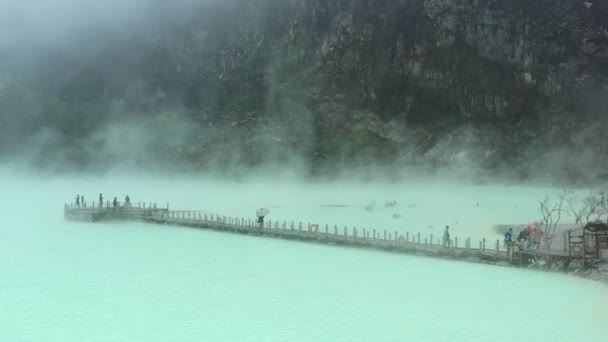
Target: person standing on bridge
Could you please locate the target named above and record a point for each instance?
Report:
(78, 201)
(115, 203)
(100, 200)
(509, 237)
(523, 239)
(537, 235)
(446, 237)
(127, 201)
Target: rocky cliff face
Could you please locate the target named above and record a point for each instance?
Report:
(514, 86)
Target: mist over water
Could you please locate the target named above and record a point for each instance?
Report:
(314, 110)
(64, 281)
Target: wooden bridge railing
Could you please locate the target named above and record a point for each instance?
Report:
(336, 233)
(312, 231)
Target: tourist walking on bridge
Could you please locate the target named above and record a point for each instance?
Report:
(260, 213)
(127, 202)
(100, 200)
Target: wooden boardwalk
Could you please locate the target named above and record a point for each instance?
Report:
(485, 251)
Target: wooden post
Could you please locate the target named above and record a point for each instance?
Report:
(335, 230)
(456, 242)
(484, 244)
(418, 238)
(569, 251)
(326, 229)
(431, 240)
(385, 234)
(520, 261)
(596, 242)
(345, 231)
(584, 251)
(497, 247)
(407, 236)
(374, 234)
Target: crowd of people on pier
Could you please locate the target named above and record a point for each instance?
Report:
(81, 203)
(529, 237)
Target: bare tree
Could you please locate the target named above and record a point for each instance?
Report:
(575, 209)
(588, 210)
(551, 213)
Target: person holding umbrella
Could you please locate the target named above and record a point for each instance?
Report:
(260, 213)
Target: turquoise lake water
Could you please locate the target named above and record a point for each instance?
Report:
(135, 282)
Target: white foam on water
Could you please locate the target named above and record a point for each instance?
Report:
(66, 281)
